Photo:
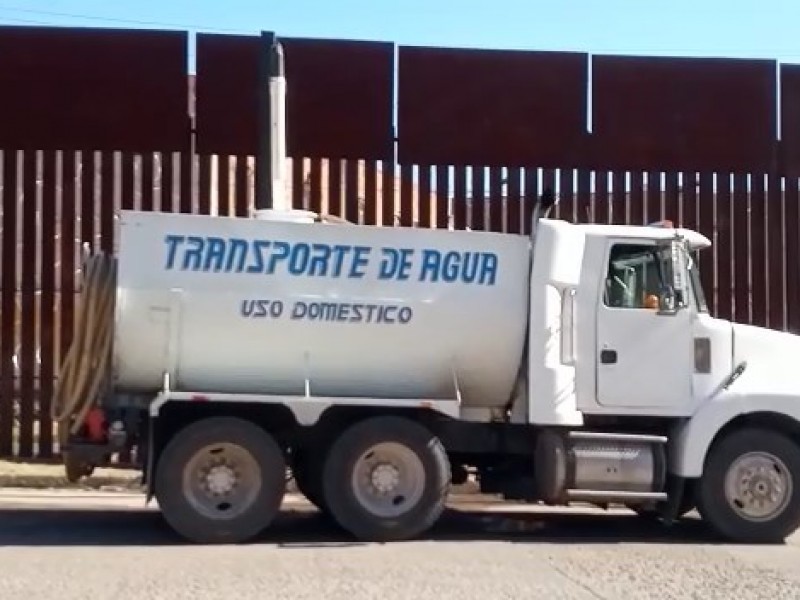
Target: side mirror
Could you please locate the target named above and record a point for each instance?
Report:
(679, 251)
(673, 294)
(667, 301)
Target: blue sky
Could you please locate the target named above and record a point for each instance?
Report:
(732, 28)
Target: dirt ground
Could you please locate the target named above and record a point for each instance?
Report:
(21, 474)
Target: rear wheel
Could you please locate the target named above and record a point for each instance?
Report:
(220, 480)
(750, 488)
(386, 478)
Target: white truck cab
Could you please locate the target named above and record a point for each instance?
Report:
(630, 314)
(629, 339)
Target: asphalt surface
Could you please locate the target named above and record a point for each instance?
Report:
(64, 546)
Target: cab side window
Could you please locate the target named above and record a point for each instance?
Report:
(634, 277)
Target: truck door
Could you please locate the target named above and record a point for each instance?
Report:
(644, 355)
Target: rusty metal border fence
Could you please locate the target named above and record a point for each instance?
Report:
(477, 138)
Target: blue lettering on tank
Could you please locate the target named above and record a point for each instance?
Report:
(318, 265)
(396, 263)
(430, 265)
(360, 260)
(488, 268)
(215, 254)
(237, 255)
(322, 311)
(281, 253)
(261, 309)
(343, 313)
(193, 257)
(404, 314)
(172, 248)
(469, 269)
(257, 264)
(298, 263)
(452, 266)
(405, 263)
(340, 252)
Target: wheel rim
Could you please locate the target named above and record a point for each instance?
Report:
(758, 486)
(221, 481)
(388, 479)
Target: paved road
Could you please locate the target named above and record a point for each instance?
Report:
(62, 546)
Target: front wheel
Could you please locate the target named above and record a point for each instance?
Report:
(750, 488)
(386, 479)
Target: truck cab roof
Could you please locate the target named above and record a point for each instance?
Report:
(656, 231)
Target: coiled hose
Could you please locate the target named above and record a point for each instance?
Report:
(85, 368)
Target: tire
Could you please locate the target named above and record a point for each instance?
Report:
(425, 477)
(251, 459)
(307, 475)
(741, 520)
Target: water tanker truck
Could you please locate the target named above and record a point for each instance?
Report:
(381, 366)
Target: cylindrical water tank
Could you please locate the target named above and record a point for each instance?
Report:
(268, 307)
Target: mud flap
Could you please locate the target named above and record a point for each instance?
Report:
(149, 474)
(676, 487)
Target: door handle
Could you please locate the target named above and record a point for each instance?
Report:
(608, 357)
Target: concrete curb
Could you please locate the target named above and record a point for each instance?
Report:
(47, 482)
